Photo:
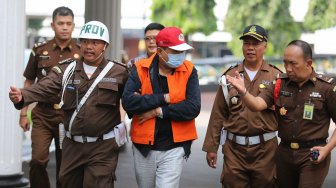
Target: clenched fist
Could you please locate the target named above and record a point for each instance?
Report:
(15, 94)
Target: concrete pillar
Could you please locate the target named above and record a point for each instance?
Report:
(12, 37)
(108, 12)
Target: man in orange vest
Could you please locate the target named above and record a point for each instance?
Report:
(162, 96)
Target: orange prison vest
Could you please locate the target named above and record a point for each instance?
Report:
(177, 83)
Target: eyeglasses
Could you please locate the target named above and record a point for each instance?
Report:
(149, 38)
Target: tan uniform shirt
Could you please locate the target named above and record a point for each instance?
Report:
(46, 55)
(235, 116)
(100, 113)
(319, 91)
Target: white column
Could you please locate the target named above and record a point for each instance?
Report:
(12, 37)
(108, 12)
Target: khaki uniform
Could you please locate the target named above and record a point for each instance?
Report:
(90, 164)
(301, 129)
(244, 165)
(46, 116)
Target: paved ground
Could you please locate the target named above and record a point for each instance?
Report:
(196, 173)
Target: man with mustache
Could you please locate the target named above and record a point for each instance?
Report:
(91, 92)
(46, 116)
(248, 138)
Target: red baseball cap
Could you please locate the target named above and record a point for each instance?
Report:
(172, 37)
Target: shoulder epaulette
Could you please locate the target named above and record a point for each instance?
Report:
(324, 78)
(40, 44)
(275, 67)
(230, 68)
(57, 69)
(282, 75)
(118, 63)
(69, 60)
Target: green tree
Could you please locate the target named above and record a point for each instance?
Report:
(273, 15)
(321, 14)
(189, 15)
(35, 23)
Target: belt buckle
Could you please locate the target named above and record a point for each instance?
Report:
(56, 106)
(247, 141)
(294, 145)
(84, 139)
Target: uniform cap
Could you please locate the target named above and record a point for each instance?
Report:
(256, 32)
(172, 37)
(95, 30)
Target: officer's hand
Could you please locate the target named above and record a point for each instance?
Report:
(148, 115)
(211, 159)
(237, 81)
(323, 151)
(24, 123)
(15, 94)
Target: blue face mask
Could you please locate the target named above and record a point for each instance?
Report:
(175, 60)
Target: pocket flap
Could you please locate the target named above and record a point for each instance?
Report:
(110, 86)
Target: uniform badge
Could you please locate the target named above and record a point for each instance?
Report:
(283, 111)
(45, 52)
(76, 56)
(234, 100)
(314, 79)
(262, 86)
(315, 95)
(44, 72)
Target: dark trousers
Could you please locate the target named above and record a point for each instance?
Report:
(89, 165)
(45, 128)
(295, 170)
(249, 166)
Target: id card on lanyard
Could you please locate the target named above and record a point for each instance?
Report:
(308, 111)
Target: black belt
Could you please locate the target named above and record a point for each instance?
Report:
(303, 145)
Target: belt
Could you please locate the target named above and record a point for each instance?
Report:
(85, 139)
(303, 145)
(250, 140)
(47, 105)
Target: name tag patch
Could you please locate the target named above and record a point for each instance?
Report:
(76, 82)
(111, 80)
(286, 93)
(315, 95)
(44, 57)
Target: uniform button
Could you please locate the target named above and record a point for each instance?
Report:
(61, 55)
(298, 105)
(295, 121)
(300, 91)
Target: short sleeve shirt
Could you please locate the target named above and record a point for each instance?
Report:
(46, 55)
(304, 112)
(100, 113)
